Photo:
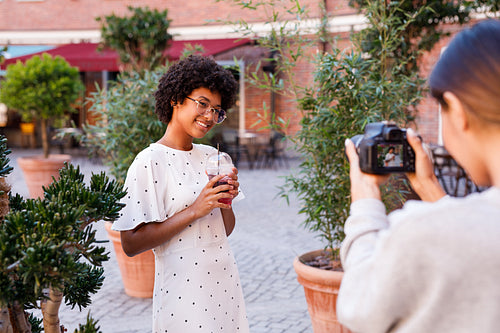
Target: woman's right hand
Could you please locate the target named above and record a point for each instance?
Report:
(363, 185)
(423, 180)
(210, 195)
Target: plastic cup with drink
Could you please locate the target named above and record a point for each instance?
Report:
(220, 163)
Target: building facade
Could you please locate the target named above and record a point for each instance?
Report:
(53, 23)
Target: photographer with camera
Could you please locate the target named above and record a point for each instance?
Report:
(432, 266)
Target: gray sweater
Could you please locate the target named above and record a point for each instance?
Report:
(429, 267)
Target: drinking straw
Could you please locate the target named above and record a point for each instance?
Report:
(218, 159)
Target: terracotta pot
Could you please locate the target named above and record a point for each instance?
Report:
(38, 171)
(138, 272)
(321, 289)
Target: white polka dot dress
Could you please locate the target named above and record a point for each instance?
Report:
(197, 286)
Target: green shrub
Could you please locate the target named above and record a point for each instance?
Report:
(43, 88)
(89, 327)
(140, 39)
(350, 89)
(126, 122)
(48, 247)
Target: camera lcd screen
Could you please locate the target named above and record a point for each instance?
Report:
(390, 155)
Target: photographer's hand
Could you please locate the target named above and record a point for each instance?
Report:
(423, 180)
(363, 185)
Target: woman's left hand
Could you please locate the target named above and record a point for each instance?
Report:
(234, 182)
(423, 180)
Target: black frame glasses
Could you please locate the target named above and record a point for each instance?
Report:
(204, 107)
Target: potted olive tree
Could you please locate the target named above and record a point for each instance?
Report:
(351, 91)
(44, 89)
(124, 120)
(49, 253)
(125, 123)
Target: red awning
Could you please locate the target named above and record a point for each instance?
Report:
(86, 57)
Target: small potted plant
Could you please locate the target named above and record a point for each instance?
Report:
(48, 247)
(44, 89)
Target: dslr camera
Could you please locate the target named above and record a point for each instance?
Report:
(384, 149)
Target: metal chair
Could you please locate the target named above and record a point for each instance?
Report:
(275, 151)
(231, 145)
(450, 174)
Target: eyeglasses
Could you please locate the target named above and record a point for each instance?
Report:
(203, 108)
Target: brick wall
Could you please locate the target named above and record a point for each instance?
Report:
(339, 7)
(427, 121)
(81, 14)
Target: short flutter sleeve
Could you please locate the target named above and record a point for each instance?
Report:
(146, 187)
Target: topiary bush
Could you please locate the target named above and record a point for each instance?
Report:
(48, 247)
(45, 88)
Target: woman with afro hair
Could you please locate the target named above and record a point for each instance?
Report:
(172, 207)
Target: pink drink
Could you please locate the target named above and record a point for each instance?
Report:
(223, 181)
(220, 164)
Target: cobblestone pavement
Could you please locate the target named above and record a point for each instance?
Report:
(267, 237)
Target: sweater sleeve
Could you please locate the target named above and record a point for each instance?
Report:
(367, 217)
(373, 290)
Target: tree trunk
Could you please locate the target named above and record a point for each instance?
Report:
(45, 138)
(5, 326)
(50, 311)
(4, 199)
(18, 319)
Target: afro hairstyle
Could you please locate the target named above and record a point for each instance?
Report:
(191, 73)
